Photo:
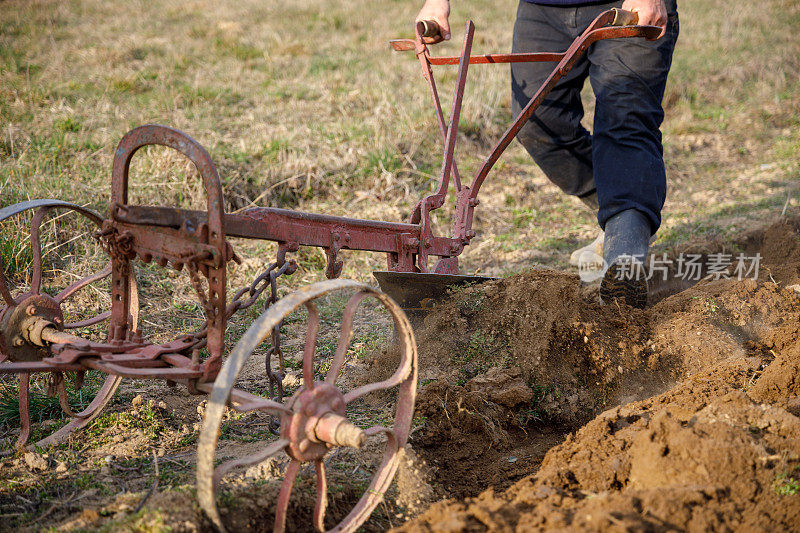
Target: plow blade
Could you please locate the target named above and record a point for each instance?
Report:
(418, 293)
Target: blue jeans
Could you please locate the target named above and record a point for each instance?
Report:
(622, 161)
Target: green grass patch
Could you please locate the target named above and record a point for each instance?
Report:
(787, 483)
(377, 161)
(68, 124)
(41, 405)
(237, 49)
(536, 412)
(146, 418)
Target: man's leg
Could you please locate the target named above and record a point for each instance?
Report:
(553, 136)
(628, 77)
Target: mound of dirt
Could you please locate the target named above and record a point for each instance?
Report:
(779, 249)
(701, 394)
(478, 435)
(705, 455)
(568, 349)
(518, 363)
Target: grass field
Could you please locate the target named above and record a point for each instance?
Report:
(302, 104)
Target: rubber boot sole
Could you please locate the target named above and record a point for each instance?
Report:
(629, 289)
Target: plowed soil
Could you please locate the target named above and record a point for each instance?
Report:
(538, 409)
(680, 416)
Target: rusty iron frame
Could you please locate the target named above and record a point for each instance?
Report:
(608, 25)
(34, 338)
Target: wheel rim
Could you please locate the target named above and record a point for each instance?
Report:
(317, 404)
(35, 296)
(41, 209)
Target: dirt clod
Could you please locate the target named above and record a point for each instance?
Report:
(35, 461)
(502, 386)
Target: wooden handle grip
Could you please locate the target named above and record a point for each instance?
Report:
(624, 18)
(428, 28)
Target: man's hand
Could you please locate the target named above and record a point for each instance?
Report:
(439, 12)
(651, 12)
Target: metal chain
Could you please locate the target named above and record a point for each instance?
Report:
(269, 279)
(275, 380)
(197, 284)
(243, 299)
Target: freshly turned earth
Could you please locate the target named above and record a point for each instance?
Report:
(539, 409)
(681, 416)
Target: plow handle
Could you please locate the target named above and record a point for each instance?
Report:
(430, 29)
(624, 18)
(427, 28)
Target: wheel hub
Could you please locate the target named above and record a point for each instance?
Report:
(23, 324)
(318, 423)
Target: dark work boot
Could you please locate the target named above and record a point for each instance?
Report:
(625, 248)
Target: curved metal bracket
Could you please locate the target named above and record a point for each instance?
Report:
(154, 134)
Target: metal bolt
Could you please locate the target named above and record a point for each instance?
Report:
(411, 243)
(31, 310)
(428, 243)
(18, 341)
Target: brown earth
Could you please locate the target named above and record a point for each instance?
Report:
(538, 409)
(686, 413)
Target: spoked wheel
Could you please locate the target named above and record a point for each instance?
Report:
(314, 420)
(33, 301)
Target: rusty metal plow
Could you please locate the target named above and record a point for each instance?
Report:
(35, 339)
(314, 420)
